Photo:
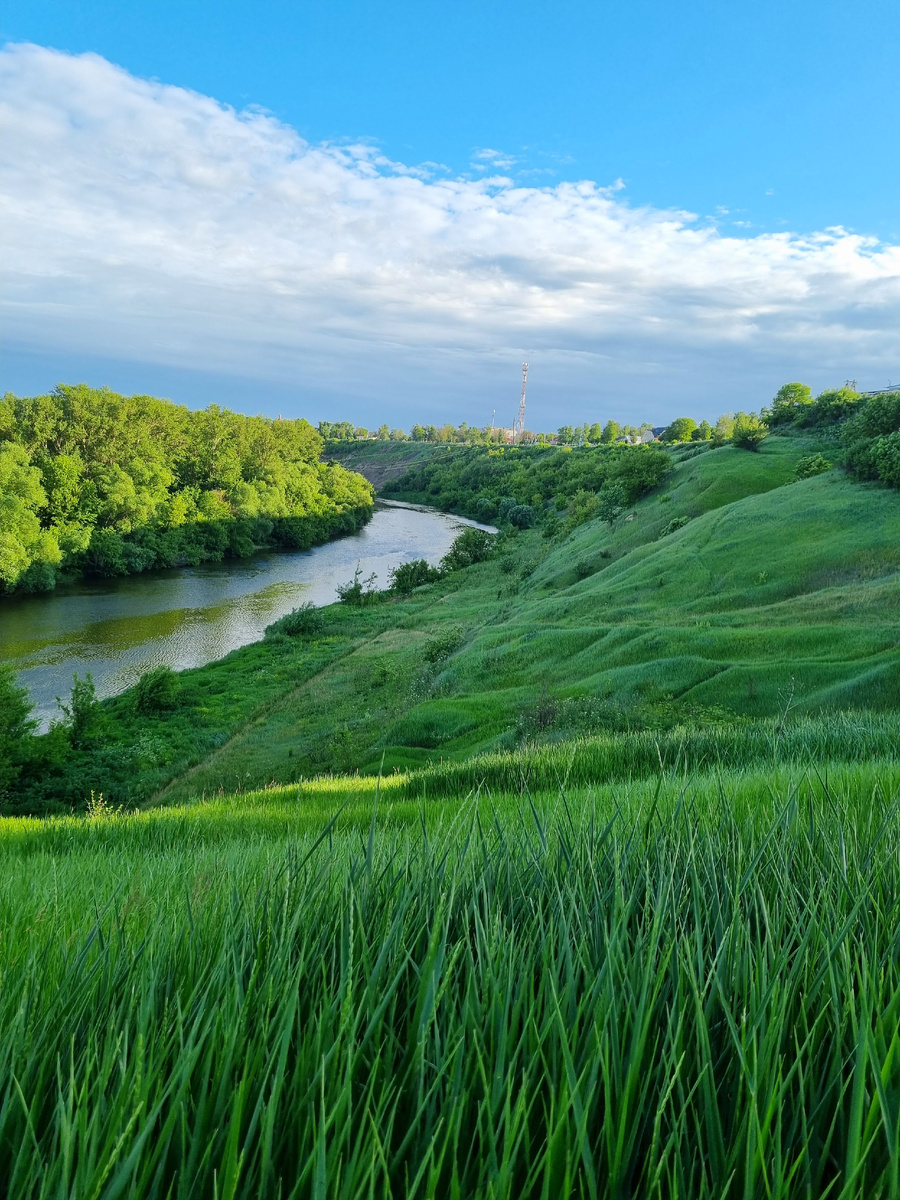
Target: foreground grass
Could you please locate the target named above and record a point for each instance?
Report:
(678, 987)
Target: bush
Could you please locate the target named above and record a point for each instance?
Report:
(886, 456)
(472, 546)
(748, 431)
(521, 516)
(156, 691)
(675, 524)
(443, 645)
(871, 436)
(359, 591)
(830, 407)
(813, 464)
(302, 622)
(408, 576)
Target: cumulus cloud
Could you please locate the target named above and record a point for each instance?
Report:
(145, 221)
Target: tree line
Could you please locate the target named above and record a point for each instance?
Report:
(92, 482)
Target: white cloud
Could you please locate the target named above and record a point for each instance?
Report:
(147, 222)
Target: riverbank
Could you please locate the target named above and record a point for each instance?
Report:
(120, 627)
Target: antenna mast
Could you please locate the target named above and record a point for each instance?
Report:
(519, 427)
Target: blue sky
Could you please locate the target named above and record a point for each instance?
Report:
(761, 121)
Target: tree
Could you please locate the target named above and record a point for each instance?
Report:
(724, 429)
(611, 430)
(680, 430)
(702, 433)
(83, 719)
(566, 435)
(384, 433)
(611, 502)
(748, 431)
(521, 516)
(788, 403)
(596, 433)
(16, 727)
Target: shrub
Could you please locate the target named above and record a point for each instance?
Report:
(302, 622)
(675, 524)
(408, 576)
(359, 591)
(813, 464)
(472, 546)
(830, 407)
(156, 691)
(748, 431)
(443, 645)
(886, 456)
(485, 509)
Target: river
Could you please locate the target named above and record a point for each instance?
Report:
(119, 628)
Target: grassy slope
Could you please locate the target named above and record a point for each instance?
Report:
(768, 583)
(677, 987)
(380, 462)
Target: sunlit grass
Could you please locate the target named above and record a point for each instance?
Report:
(685, 985)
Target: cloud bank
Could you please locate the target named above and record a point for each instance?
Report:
(146, 222)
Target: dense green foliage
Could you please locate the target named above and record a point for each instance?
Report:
(97, 483)
(867, 426)
(687, 987)
(872, 439)
(492, 484)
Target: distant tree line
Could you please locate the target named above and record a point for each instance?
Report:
(92, 482)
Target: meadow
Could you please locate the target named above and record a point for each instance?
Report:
(681, 986)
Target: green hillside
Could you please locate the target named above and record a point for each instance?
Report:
(775, 595)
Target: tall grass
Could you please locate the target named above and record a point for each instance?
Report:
(833, 737)
(694, 995)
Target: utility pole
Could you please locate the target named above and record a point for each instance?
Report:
(519, 427)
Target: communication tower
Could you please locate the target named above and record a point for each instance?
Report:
(519, 426)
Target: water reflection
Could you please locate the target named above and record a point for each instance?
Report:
(119, 628)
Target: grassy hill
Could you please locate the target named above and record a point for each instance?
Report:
(775, 595)
(596, 893)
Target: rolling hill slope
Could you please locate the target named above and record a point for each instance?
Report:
(774, 595)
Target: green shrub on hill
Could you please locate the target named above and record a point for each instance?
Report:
(812, 464)
(872, 439)
(304, 621)
(408, 576)
(748, 431)
(156, 691)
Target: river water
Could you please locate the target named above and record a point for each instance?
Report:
(119, 628)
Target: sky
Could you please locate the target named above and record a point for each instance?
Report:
(375, 211)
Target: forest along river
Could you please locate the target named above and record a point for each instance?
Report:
(119, 628)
